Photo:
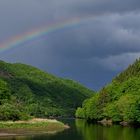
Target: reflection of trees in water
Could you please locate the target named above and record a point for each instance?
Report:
(85, 131)
(89, 131)
(98, 132)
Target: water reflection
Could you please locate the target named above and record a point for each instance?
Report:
(98, 132)
(81, 130)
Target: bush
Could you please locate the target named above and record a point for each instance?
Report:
(9, 112)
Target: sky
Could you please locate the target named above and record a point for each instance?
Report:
(93, 51)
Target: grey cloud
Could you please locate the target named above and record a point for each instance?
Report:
(28, 14)
(118, 62)
(91, 53)
(101, 37)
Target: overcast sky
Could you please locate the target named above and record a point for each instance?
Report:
(92, 53)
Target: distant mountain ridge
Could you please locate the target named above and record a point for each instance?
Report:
(119, 101)
(28, 91)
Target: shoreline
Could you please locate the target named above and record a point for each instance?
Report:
(109, 122)
(35, 126)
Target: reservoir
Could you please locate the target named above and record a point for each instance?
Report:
(81, 130)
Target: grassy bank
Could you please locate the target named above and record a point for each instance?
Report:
(34, 126)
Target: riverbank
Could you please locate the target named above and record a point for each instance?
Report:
(31, 127)
(106, 122)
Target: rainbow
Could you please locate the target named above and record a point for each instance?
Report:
(32, 35)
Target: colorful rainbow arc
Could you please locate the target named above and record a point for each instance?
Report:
(37, 33)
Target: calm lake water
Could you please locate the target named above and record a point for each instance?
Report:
(81, 130)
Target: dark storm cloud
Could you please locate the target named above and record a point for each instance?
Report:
(91, 53)
(110, 6)
(100, 37)
(91, 6)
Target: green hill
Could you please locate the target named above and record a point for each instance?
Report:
(118, 101)
(27, 91)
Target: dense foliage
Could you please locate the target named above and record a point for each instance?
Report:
(118, 101)
(27, 91)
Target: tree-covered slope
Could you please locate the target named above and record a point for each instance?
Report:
(118, 101)
(25, 91)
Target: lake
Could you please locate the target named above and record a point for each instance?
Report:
(81, 130)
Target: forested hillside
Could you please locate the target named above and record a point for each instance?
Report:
(27, 91)
(118, 101)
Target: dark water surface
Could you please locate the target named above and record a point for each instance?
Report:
(81, 130)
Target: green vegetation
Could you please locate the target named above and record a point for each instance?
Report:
(119, 101)
(42, 123)
(27, 91)
(34, 126)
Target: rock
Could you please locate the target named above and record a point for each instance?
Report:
(105, 122)
(124, 123)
